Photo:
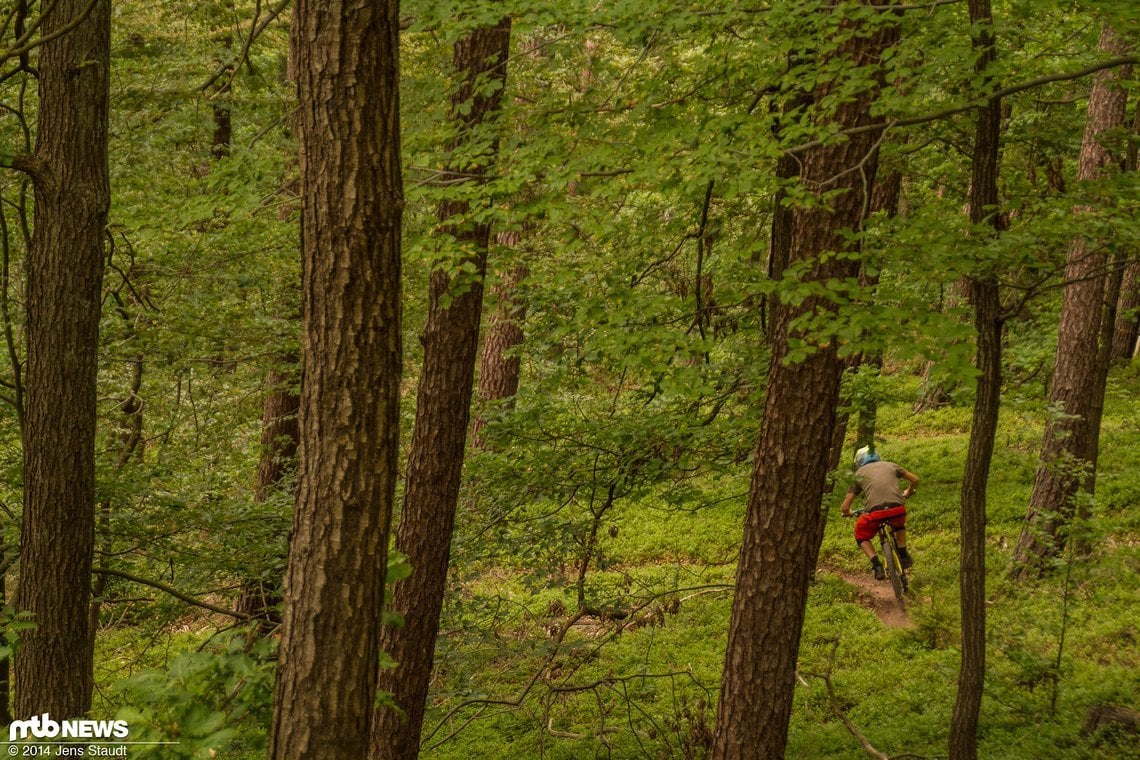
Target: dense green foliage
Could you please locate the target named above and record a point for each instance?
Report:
(597, 538)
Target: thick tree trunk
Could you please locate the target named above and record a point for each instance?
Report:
(988, 327)
(351, 208)
(783, 526)
(1068, 440)
(65, 275)
(279, 440)
(443, 407)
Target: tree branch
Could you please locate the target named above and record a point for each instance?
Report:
(28, 164)
(838, 711)
(910, 121)
(172, 592)
(257, 27)
(25, 44)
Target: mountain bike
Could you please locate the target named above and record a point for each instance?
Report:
(896, 573)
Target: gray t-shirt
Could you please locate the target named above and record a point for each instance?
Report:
(879, 484)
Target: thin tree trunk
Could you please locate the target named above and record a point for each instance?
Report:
(5, 663)
(65, 275)
(443, 407)
(1099, 382)
(885, 200)
(1128, 315)
(972, 565)
(351, 208)
(130, 437)
(783, 526)
(1128, 305)
(783, 214)
(279, 439)
(499, 366)
(1068, 439)
(988, 326)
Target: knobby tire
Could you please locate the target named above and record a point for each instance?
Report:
(894, 568)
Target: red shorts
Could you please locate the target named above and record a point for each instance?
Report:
(868, 523)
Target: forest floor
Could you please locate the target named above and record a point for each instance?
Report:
(517, 677)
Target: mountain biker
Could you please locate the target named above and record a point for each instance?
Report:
(878, 481)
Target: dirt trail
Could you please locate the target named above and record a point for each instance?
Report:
(876, 595)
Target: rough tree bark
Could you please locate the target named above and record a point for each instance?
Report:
(65, 274)
(986, 300)
(1068, 443)
(443, 407)
(783, 525)
(351, 209)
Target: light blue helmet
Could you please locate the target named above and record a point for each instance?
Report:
(865, 455)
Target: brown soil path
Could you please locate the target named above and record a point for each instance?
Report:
(876, 595)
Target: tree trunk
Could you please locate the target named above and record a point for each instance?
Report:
(988, 326)
(1068, 439)
(783, 214)
(783, 526)
(884, 200)
(1128, 315)
(498, 368)
(498, 365)
(351, 207)
(130, 438)
(443, 407)
(279, 438)
(1099, 382)
(65, 275)
(5, 663)
(1128, 305)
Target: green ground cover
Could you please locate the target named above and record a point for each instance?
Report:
(511, 683)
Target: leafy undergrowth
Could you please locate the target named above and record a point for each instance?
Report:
(612, 688)
(522, 672)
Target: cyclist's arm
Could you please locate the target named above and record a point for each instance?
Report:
(847, 503)
(913, 479)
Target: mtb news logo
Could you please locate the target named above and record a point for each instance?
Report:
(43, 727)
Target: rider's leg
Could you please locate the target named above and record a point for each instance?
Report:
(868, 549)
(876, 563)
(904, 555)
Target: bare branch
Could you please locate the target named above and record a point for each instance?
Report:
(257, 27)
(25, 44)
(172, 591)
